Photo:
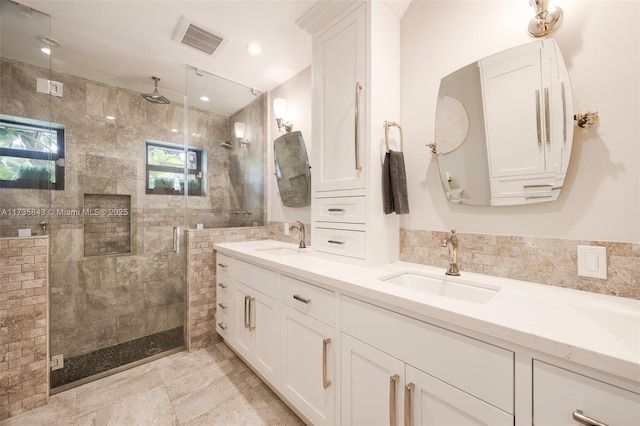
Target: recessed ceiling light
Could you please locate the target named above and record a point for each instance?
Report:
(110, 117)
(204, 99)
(45, 50)
(254, 48)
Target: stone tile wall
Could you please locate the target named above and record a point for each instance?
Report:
(107, 226)
(201, 279)
(551, 261)
(24, 378)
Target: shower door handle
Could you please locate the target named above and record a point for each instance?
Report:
(176, 245)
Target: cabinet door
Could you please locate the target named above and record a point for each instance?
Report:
(371, 383)
(242, 338)
(560, 395)
(433, 402)
(339, 65)
(264, 319)
(514, 111)
(308, 369)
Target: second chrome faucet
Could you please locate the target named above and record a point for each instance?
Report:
(451, 242)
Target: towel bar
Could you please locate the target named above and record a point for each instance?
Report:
(388, 124)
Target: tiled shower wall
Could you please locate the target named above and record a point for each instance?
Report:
(100, 301)
(551, 261)
(24, 378)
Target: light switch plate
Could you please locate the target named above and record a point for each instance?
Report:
(592, 261)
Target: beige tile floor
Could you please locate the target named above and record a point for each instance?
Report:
(207, 387)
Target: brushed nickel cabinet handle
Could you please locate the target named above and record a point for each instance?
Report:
(222, 265)
(325, 383)
(222, 326)
(222, 306)
(538, 121)
(393, 380)
(252, 321)
(335, 242)
(538, 185)
(547, 120)
(222, 285)
(357, 122)
(408, 389)
(301, 299)
(336, 210)
(586, 420)
(247, 307)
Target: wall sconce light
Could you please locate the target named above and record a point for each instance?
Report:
(238, 128)
(280, 110)
(545, 20)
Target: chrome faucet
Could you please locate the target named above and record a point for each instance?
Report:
(451, 242)
(300, 229)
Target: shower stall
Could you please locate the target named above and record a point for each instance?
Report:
(115, 180)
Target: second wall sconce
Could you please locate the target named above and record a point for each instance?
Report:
(280, 110)
(545, 20)
(238, 128)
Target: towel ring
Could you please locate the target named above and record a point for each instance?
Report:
(388, 124)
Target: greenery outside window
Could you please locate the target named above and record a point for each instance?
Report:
(171, 169)
(31, 154)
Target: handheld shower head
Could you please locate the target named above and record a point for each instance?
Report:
(155, 97)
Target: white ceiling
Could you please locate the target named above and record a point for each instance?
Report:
(126, 42)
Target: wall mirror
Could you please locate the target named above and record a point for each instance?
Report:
(292, 170)
(504, 127)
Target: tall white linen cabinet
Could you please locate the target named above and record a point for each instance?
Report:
(356, 88)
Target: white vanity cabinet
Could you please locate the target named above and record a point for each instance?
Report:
(308, 354)
(528, 121)
(355, 89)
(563, 397)
(415, 373)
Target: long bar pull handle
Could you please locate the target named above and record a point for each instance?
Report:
(408, 389)
(357, 122)
(176, 247)
(325, 383)
(247, 307)
(564, 113)
(547, 120)
(252, 321)
(586, 420)
(301, 299)
(538, 185)
(538, 117)
(393, 380)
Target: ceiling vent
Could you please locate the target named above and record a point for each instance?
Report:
(194, 35)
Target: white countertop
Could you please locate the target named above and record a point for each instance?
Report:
(597, 331)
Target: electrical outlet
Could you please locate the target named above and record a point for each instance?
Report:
(57, 362)
(286, 228)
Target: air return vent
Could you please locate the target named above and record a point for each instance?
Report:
(197, 37)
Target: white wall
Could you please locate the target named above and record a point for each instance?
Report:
(600, 42)
(297, 92)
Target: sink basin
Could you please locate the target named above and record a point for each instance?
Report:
(279, 251)
(454, 288)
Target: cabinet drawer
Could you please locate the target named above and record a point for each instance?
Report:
(340, 241)
(261, 279)
(558, 393)
(524, 187)
(340, 209)
(478, 368)
(309, 299)
(223, 285)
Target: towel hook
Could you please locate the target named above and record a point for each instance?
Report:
(388, 124)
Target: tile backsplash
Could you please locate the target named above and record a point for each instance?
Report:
(551, 261)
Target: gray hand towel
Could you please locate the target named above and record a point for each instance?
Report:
(394, 184)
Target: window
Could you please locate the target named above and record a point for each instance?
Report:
(31, 154)
(166, 166)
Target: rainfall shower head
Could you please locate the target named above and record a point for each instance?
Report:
(155, 97)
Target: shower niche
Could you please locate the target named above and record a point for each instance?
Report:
(107, 224)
